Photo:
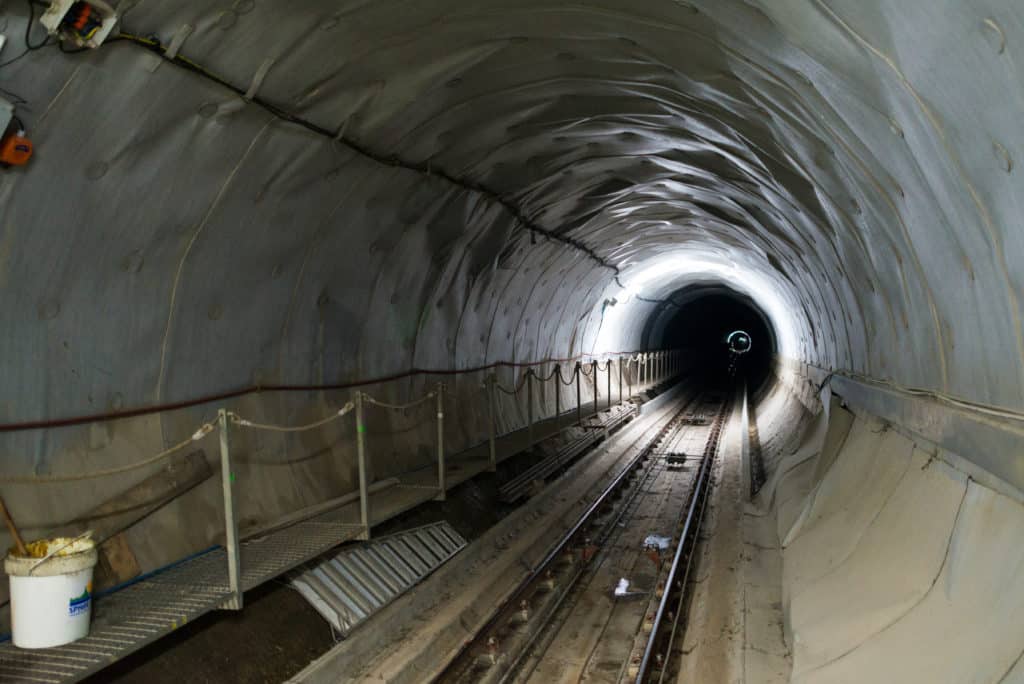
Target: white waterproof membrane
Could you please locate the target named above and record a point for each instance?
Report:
(319, 192)
(851, 165)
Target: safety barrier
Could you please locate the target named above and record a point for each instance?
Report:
(645, 368)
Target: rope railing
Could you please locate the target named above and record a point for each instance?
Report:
(585, 369)
(398, 407)
(549, 376)
(204, 430)
(572, 376)
(515, 388)
(242, 422)
(227, 419)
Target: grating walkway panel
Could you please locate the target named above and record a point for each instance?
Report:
(137, 615)
(350, 587)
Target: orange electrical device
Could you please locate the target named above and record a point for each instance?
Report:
(15, 149)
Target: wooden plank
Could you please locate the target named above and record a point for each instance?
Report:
(117, 562)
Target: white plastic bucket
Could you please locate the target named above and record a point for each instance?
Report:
(51, 599)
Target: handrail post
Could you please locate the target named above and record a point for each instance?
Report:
(593, 369)
(579, 396)
(364, 493)
(542, 395)
(442, 487)
(227, 477)
(491, 380)
(629, 378)
(619, 364)
(558, 396)
(529, 407)
(608, 364)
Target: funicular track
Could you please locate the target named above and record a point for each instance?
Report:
(565, 622)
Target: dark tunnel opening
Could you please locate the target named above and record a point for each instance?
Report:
(725, 334)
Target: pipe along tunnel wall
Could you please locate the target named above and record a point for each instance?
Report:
(452, 184)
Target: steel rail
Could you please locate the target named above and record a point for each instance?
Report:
(694, 516)
(538, 573)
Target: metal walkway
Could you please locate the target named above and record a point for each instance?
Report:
(357, 583)
(141, 613)
(156, 605)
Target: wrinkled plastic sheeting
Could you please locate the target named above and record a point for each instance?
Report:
(170, 240)
(196, 241)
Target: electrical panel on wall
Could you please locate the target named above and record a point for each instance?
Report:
(83, 24)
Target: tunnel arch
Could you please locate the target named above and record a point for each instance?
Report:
(620, 139)
(327, 194)
(699, 319)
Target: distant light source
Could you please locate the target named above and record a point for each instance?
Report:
(739, 342)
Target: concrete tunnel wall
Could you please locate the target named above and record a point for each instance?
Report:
(897, 566)
(450, 184)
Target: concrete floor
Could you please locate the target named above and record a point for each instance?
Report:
(734, 632)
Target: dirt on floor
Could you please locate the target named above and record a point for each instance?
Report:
(276, 635)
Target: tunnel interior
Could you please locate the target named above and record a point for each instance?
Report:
(708, 322)
(259, 207)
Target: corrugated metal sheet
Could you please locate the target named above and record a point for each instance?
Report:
(358, 582)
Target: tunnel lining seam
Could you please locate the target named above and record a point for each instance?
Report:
(160, 50)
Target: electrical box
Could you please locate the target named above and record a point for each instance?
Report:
(83, 24)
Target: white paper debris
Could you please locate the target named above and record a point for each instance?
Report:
(623, 587)
(657, 541)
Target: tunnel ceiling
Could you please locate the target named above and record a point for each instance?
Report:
(450, 183)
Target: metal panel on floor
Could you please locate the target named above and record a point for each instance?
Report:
(350, 587)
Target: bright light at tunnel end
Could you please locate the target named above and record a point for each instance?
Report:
(660, 276)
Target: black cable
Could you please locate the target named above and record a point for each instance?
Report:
(420, 167)
(18, 99)
(28, 29)
(14, 59)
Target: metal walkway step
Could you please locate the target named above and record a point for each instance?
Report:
(350, 587)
